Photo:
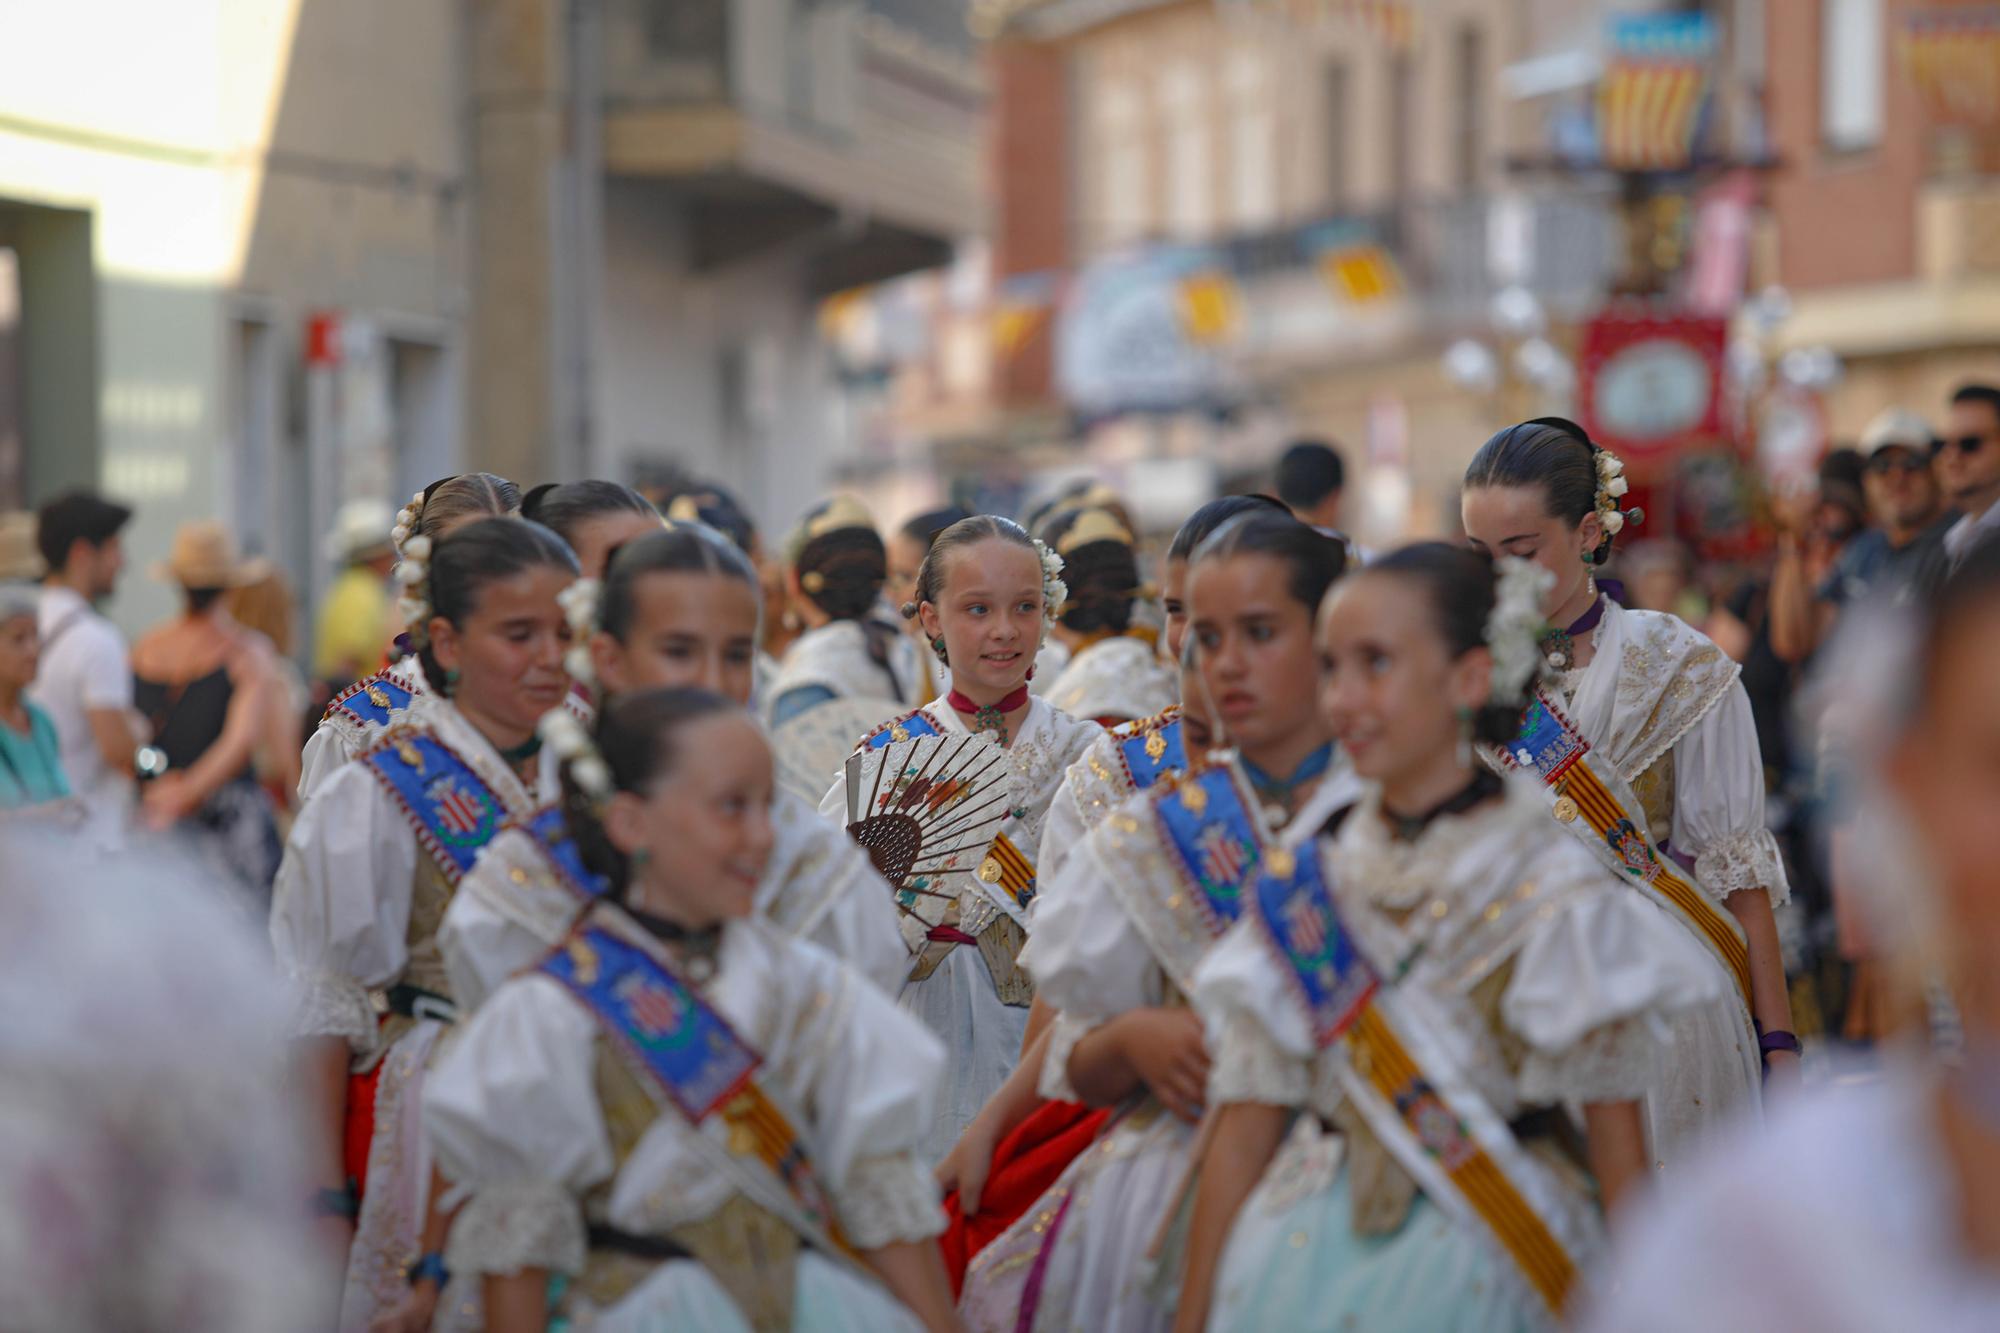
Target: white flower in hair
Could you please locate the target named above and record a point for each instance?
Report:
(1609, 465)
(412, 610)
(593, 775)
(1054, 591)
(1614, 522)
(1514, 627)
(562, 733)
(410, 573)
(1616, 487)
(417, 548)
(578, 664)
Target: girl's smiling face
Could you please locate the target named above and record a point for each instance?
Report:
(989, 612)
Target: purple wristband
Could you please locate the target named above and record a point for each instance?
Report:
(1779, 1040)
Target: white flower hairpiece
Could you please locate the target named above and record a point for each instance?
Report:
(572, 746)
(1514, 627)
(413, 571)
(1054, 591)
(579, 606)
(1611, 486)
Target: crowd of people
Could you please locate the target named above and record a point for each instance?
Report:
(991, 924)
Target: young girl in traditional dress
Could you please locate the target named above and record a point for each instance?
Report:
(594, 517)
(1019, 1144)
(1438, 978)
(985, 596)
(1115, 673)
(372, 864)
(355, 719)
(849, 650)
(1670, 794)
(696, 1121)
(677, 608)
(1874, 1203)
(1126, 918)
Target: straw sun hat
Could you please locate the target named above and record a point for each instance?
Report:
(204, 555)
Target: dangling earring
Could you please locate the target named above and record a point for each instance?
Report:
(450, 679)
(1465, 738)
(937, 646)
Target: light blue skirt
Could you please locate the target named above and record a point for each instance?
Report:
(1295, 1263)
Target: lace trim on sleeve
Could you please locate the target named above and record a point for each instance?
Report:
(1745, 861)
(327, 1004)
(1613, 1063)
(1250, 1067)
(507, 1228)
(1064, 1034)
(889, 1199)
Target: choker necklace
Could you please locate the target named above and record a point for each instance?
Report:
(522, 753)
(694, 948)
(988, 717)
(1484, 786)
(1278, 791)
(1558, 645)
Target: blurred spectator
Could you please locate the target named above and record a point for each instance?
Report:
(151, 1178)
(908, 546)
(355, 627)
(204, 682)
(1873, 1204)
(30, 756)
(1814, 528)
(1969, 467)
(1659, 576)
(84, 679)
(1905, 506)
(267, 607)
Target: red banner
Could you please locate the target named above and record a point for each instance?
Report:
(1651, 384)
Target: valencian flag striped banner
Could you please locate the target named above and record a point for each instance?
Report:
(1653, 90)
(1952, 55)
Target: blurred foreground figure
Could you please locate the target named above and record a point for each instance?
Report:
(1876, 1206)
(148, 1177)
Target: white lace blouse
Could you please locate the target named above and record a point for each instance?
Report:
(513, 1114)
(1593, 965)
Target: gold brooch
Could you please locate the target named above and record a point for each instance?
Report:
(583, 960)
(989, 870)
(898, 734)
(1195, 797)
(1281, 863)
(1156, 746)
(1565, 810)
(377, 697)
(409, 754)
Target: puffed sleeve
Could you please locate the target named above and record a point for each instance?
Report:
(1259, 1036)
(334, 743)
(509, 910)
(511, 1113)
(1593, 985)
(1719, 803)
(1089, 961)
(340, 909)
(827, 892)
(872, 1074)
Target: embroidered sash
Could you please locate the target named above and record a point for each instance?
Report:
(692, 1060)
(454, 812)
(1589, 798)
(1405, 1082)
(553, 839)
(371, 702)
(1210, 825)
(902, 729)
(1153, 750)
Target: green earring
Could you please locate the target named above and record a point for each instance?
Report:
(450, 679)
(937, 646)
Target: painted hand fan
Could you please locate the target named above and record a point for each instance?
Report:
(925, 807)
(811, 747)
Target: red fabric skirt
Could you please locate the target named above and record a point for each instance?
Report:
(360, 1127)
(1025, 1164)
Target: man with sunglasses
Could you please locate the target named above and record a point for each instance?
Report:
(1969, 467)
(1905, 507)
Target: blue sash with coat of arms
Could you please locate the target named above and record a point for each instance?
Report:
(1299, 917)
(902, 729)
(552, 836)
(454, 812)
(1217, 840)
(371, 702)
(687, 1050)
(1152, 752)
